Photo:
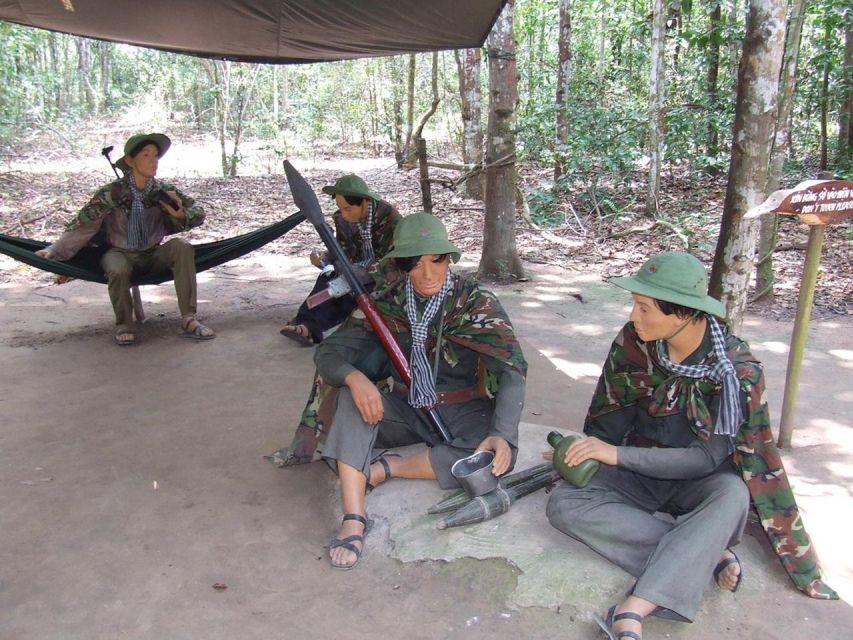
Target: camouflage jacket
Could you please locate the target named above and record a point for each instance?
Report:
(632, 374)
(473, 318)
(103, 220)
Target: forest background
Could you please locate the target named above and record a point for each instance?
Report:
(585, 133)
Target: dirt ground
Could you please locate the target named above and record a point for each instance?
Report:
(132, 479)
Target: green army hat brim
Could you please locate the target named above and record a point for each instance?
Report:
(161, 141)
(676, 277)
(350, 185)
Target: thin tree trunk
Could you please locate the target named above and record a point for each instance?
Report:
(105, 50)
(752, 138)
(656, 105)
(420, 143)
(410, 105)
(715, 25)
(602, 40)
(767, 234)
(84, 66)
(393, 68)
(564, 64)
(500, 258)
(845, 113)
(472, 128)
(824, 98)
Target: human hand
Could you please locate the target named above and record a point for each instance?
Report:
(319, 258)
(46, 253)
(176, 210)
(590, 449)
(503, 453)
(366, 397)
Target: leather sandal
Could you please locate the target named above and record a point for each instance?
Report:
(347, 543)
(125, 338)
(381, 459)
(721, 566)
(298, 333)
(612, 618)
(195, 330)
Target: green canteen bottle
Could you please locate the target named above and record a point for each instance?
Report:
(578, 475)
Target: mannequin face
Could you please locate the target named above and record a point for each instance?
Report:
(144, 163)
(352, 213)
(650, 322)
(428, 276)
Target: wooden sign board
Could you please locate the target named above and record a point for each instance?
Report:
(813, 202)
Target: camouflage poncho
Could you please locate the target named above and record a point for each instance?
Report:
(633, 375)
(473, 318)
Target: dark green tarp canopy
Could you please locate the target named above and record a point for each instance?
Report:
(277, 31)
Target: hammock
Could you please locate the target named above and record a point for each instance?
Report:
(85, 265)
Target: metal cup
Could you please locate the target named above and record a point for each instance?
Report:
(474, 473)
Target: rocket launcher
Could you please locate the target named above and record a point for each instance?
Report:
(496, 502)
(460, 498)
(305, 198)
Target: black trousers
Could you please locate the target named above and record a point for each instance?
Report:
(324, 316)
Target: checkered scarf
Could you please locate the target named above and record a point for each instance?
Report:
(730, 416)
(366, 231)
(137, 232)
(422, 392)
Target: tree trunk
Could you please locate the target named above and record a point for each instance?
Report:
(410, 107)
(500, 259)
(656, 105)
(105, 50)
(394, 70)
(420, 143)
(602, 40)
(564, 48)
(84, 66)
(715, 25)
(472, 128)
(824, 96)
(764, 272)
(845, 114)
(752, 138)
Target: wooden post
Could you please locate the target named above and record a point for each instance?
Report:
(422, 162)
(801, 331)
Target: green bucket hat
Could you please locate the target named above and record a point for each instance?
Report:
(350, 185)
(161, 141)
(676, 277)
(422, 234)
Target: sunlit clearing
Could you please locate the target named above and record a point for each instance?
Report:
(531, 304)
(575, 370)
(842, 354)
(772, 346)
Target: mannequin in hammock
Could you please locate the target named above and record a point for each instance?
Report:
(131, 216)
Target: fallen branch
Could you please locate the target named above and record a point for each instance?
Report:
(525, 213)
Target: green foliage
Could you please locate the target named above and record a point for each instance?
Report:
(361, 105)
